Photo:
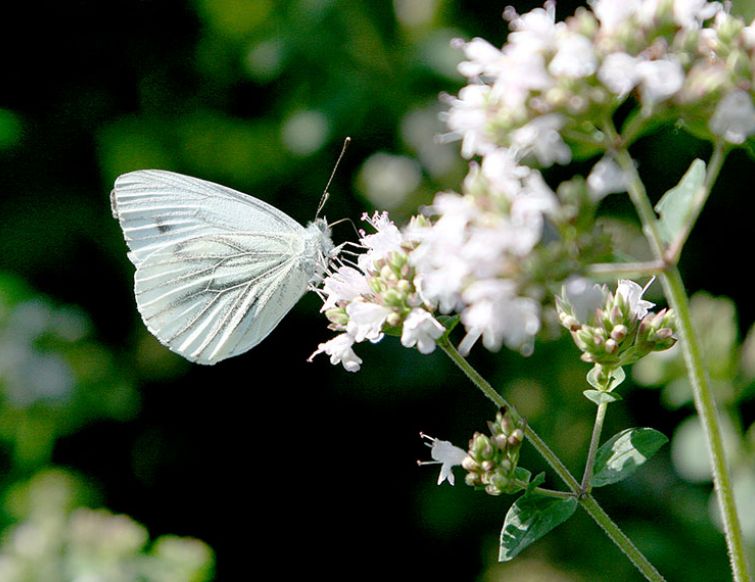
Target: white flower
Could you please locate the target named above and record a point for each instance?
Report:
(386, 239)
(632, 293)
(541, 138)
(440, 267)
(606, 177)
(584, 297)
(468, 119)
(618, 73)
(497, 314)
(614, 13)
(659, 79)
(421, 329)
(503, 172)
(575, 58)
(340, 351)
(366, 320)
(689, 14)
(346, 284)
(534, 31)
(483, 59)
(444, 454)
(734, 118)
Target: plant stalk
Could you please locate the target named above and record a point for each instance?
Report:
(597, 429)
(701, 389)
(586, 501)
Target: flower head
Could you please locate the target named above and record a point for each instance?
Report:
(377, 293)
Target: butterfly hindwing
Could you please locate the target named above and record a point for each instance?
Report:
(215, 296)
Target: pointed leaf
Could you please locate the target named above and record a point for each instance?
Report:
(599, 397)
(530, 518)
(676, 207)
(624, 453)
(536, 482)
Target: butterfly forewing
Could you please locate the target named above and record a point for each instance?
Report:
(156, 208)
(216, 270)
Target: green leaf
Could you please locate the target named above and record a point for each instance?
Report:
(536, 482)
(599, 397)
(624, 453)
(676, 207)
(596, 378)
(530, 518)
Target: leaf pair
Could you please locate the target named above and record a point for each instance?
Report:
(535, 514)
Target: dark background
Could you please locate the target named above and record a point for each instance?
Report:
(281, 465)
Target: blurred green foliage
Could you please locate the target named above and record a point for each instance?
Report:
(258, 95)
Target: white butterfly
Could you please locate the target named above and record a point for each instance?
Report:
(216, 270)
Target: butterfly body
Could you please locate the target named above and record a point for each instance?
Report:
(216, 270)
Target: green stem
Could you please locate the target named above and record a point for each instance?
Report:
(597, 428)
(500, 402)
(703, 395)
(587, 502)
(551, 492)
(615, 270)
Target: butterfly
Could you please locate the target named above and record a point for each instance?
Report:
(216, 269)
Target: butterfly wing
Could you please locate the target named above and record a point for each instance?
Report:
(216, 269)
(156, 208)
(215, 296)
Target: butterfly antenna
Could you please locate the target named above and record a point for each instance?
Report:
(325, 192)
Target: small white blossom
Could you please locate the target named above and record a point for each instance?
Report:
(659, 79)
(503, 172)
(444, 454)
(497, 314)
(468, 119)
(345, 285)
(614, 13)
(734, 118)
(421, 329)
(690, 14)
(632, 293)
(607, 177)
(619, 74)
(584, 297)
(366, 320)
(542, 139)
(483, 59)
(534, 31)
(575, 58)
(386, 239)
(340, 351)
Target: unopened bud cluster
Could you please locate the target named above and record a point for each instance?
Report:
(492, 459)
(622, 330)
(391, 282)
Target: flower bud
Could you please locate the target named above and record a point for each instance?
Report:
(337, 315)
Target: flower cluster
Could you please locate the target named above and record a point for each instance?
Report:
(375, 295)
(490, 462)
(471, 258)
(552, 82)
(614, 329)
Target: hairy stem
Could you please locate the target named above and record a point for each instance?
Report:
(703, 395)
(597, 429)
